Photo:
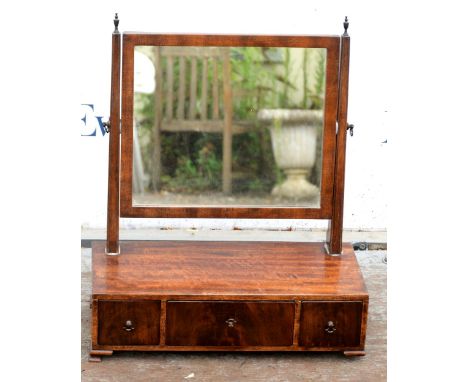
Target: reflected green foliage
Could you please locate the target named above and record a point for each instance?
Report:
(199, 175)
(260, 78)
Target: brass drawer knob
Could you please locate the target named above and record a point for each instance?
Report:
(330, 327)
(128, 326)
(231, 322)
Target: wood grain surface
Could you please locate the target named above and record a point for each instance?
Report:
(226, 270)
(222, 323)
(346, 318)
(143, 316)
(336, 222)
(113, 196)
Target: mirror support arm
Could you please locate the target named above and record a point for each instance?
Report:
(113, 193)
(335, 227)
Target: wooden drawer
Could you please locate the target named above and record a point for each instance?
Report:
(128, 322)
(224, 323)
(330, 324)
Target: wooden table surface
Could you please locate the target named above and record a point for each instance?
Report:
(226, 268)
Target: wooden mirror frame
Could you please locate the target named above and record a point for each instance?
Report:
(334, 136)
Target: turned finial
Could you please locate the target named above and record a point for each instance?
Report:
(346, 25)
(116, 23)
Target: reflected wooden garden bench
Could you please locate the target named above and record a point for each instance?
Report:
(181, 105)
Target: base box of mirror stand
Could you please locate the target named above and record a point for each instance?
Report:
(181, 296)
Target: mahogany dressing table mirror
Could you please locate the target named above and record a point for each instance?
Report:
(227, 126)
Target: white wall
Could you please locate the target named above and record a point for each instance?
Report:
(370, 104)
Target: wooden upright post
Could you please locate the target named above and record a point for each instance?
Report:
(227, 131)
(113, 211)
(335, 228)
(158, 109)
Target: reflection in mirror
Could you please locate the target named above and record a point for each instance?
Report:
(238, 126)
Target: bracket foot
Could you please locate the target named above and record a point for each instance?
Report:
(354, 353)
(95, 355)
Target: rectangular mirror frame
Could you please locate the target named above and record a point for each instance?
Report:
(325, 211)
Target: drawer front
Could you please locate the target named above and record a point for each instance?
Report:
(128, 322)
(224, 323)
(330, 324)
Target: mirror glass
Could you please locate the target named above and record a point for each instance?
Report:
(237, 126)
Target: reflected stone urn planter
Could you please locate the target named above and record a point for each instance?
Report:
(294, 139)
